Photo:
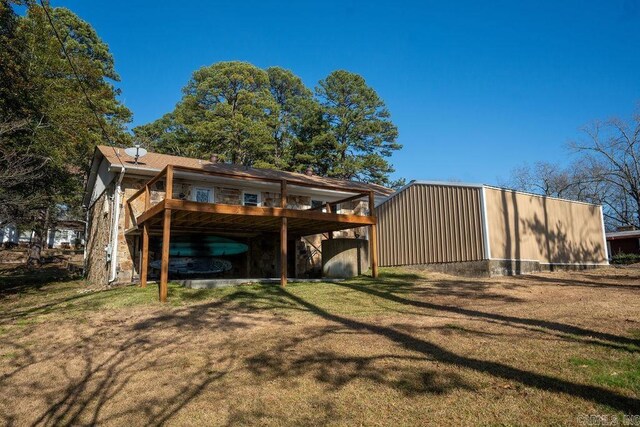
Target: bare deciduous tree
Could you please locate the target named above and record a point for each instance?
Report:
(549, 179)
(605, 172)
(610, 156)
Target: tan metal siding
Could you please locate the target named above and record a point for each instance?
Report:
(528, 227)
(425, 224)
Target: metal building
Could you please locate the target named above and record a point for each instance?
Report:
(478, 229)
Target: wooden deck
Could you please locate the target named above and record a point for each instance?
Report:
(195, 217)
(211, 217)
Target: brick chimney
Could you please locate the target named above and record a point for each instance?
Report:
(213, 158)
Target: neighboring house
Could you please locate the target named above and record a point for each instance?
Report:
(66, 234)
(623, 241)
(210, 217)
(11, 234)
(483, 230)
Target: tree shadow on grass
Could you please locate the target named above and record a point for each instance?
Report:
(569, 331)
(55, 304)
(434, 352)
(21, 279)
(421, 285)
(92, 371)
(108, 365)
(338, 370)
(580, 280)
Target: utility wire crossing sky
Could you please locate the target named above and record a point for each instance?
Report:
(475, 88)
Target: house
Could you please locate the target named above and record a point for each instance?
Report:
(482, 230)
(169, 216)
(66, 234)
(625, 240)
(10, 234)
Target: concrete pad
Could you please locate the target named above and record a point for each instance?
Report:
(223, 283)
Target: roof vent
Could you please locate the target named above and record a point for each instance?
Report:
(309, 171)
(213, 158)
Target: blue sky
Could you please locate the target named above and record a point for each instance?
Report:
(475, 88)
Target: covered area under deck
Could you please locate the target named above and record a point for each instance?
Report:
(179, 217)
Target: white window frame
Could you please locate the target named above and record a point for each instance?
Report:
(194, 193)
(258, 193)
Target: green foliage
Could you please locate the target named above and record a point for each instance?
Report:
(296, 110)
(228, 109)
(625, 259)
(15, 91)
(48, 128)
(269, 118)
(166, 135)
(72, 131)
(361, 133)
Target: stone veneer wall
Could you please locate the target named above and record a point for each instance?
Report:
(228, 196)
(128, 251)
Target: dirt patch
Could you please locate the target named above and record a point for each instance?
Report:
(14, 256)
(407, 349)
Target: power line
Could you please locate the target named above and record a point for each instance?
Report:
(92, 106)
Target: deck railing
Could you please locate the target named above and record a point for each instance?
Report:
(168, 174)
(131, 217)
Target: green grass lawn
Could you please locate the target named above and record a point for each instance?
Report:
(406, 348)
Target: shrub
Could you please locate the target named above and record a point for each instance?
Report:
(624, 259)
(10, 245)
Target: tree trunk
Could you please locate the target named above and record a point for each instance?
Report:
(36, 245)
(35, 251)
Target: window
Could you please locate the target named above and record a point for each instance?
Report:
(316, 203)
(251, 199)
(202, 195)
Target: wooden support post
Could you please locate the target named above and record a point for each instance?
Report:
(144, 262)
(283, 235)
(169, 184)
(373, 238)
(283, 253)
(164, 270)
(248, 258)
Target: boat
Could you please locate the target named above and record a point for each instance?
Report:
(194, 265)
(205, 246)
